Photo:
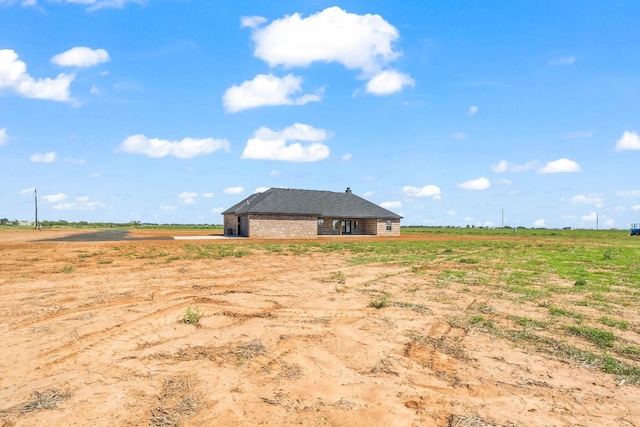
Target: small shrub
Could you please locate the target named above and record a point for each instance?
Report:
(192, 316)
(580, 282)
(609, 254)
(68, 268)
(380, 302)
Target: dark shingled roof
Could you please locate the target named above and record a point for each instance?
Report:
(327, 204)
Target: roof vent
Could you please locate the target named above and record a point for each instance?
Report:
(348, 191)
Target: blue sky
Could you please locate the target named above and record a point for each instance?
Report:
(445, 112)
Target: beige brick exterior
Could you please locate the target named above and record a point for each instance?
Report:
(302, 226)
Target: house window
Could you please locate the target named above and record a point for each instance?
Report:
(336, 224)
(321, 223)
(355, 225)
(388, 225)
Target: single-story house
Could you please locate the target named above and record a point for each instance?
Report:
(291, 213)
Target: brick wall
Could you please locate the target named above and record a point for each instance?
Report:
(298, 226)
(282, 226)
(382, 228)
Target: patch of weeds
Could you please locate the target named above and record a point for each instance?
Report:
(192, 316)
(480, 322)
(528, 323)
(68, 269)
(468, 261)
(418, 308)
(630, 350)
(337, 277)
(381, 301)
(557, 311)
(597, 336)
(527, 292)
(580, 282)
(629, 374)
(620, 324)
(105, 261)
(609, 254)
(48, 399)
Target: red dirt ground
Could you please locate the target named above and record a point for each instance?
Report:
(92, 335)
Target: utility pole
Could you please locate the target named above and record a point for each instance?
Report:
(596, 222)
(35, 196)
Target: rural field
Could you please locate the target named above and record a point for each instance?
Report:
(433, 328)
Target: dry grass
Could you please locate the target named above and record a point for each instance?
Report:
(177, 402)
(47, 399)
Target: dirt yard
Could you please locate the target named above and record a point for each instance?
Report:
(92, 333)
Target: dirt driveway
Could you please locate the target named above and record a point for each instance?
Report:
(92, 334)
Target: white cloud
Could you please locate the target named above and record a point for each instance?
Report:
(361, 42)
(560, 166)
(43, 158)
(252, 21)
(505, 166)
(185, 149)
(3, 136)
(347, 156)
(567, 60)
(266, 90)
(81, 203)
(451, 213)
(481, 183)
(260, 190)
(473, 110)
(388, 82)
(459, 135)
(635, 208)
(14, 77)
(28, 191)
(540, 223)
(217, 210)
(274, 173)
(630, 141)
(426, 191)
(620, 208)
(54, 198)
(81, 57)
(628, 193)
(167, 208)
(233, 190)
(590, 217)
(391, 205)
(368, 194)
(207, 195)
(187, 198)
(589, 199)
(267, 144)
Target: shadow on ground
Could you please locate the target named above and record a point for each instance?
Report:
(103, 236)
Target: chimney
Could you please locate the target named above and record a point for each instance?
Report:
(348, 191)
